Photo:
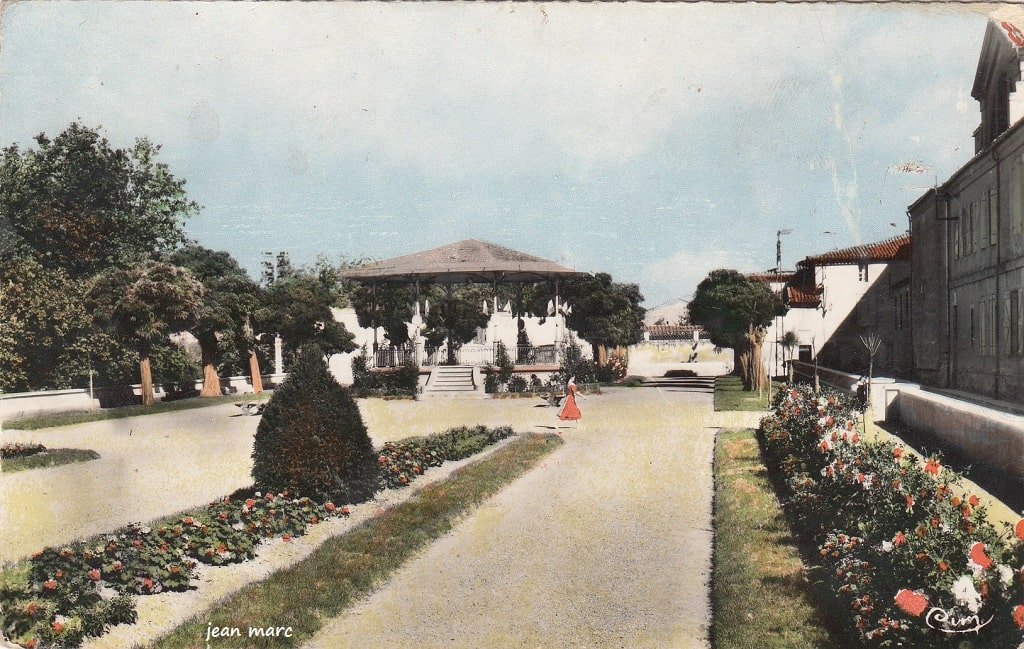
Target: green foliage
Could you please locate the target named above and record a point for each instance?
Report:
(455, 315)
(43, 324)
(230, 298)
(728, 305)
(387, 306)
(141, 305)
(78, 204)
(397, 381)
(173, 366)
(574, 365)
(605, 312)
(298, 308)
(312, 440)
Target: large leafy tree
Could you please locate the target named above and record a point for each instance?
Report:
(298, 308)
(388, 306)
(230, 298)
(76, 203)
(142, 304)
(456, 312)
(604, 312)
(736, 312)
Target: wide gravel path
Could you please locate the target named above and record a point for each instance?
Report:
(606, 544)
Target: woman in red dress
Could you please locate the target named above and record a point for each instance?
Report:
(571, 411)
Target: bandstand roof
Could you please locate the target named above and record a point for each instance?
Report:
(466, 261)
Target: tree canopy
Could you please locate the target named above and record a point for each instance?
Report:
(605, 313)
(735, 311)
(456, 312)
(142, 304)
(298, 308)
(77, 203)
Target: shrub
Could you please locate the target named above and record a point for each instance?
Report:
(311, 440)
(20, 449)
(898, 536)
(401, 462)
(399, 381)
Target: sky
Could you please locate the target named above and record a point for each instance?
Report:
(654, 142)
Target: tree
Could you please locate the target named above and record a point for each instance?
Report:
(312, 440)
(789, 342)
(736, 312)
(143, 304)
(229, 300)
(298, 308)
(388, 306)
(604, 312)
(77, 203)
(455, 314)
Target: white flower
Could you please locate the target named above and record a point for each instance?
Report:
(1005, 574)
(238, 526)
(886, 546)
(965, 594)
(868, 480)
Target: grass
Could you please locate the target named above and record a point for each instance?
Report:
(730, 395)
(759, 596)
(48, 458)
(346, 567)
(71, 418)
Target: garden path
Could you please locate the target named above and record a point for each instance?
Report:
(606, 544)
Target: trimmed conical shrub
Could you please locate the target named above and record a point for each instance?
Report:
(312, 440)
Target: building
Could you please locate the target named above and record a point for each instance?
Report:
(967, 277)
(834, 299)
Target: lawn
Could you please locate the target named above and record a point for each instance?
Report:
(47, 458)
(347, 567)
(70, 418)
(760, 599)
(730, 395)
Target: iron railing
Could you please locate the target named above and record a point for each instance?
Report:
(469, 354)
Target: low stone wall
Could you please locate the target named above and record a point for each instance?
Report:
(881, 387)
(986, 436)
(19, 405)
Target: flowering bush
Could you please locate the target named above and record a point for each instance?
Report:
(20, 449)
(910, 555)
(401, 462)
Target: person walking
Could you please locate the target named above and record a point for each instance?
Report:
(570, 411)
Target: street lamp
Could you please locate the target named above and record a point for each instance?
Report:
(778, 269)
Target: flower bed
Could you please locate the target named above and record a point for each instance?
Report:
(20, 449)
(907, 553)
(81, 589)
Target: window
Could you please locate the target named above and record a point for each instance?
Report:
(974, 328)
(983, 222)
(862, 272)
(993, 217)
(972, 224)
(956, 236)
(1013, 321)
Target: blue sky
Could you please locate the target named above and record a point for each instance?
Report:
(654, 142)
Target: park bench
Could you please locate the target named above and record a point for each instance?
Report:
(251, 407)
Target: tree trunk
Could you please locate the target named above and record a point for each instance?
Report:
(602, 355)
(211, 382)
(146, 376)
(254, 372)
(451, 351)
(755, 369)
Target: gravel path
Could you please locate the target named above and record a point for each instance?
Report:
(606, 544)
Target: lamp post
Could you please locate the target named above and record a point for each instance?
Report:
(778, 270)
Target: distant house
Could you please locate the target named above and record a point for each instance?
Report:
(834, 298)
(968, 267)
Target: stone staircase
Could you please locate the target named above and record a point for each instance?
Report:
(682, 383)
(454, 382)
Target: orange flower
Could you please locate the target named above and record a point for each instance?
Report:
(57, 627)
(147, 583)
(899, 539)
(978, 555)
(943, 566)
(94, 574)
(973, 501)
(932, 466)
(287, 538)
(1018, 529)
(345, 511)
(50, 584)
(897, 452)
(955, 501)
(1018, 616)
(911, 602)
(330, 507)
(250, 503)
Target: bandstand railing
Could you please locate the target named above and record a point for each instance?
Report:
(469, 354)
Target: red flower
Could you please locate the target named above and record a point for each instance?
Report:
(117, 566)
(1019, 529)
(978, 556)
(955, 501)
(973, 501)
(31, 643)
(49, 584)
(897, 452)
(932, 466)
(330, 507)
(287, 538)
(911, 602)
(250, 503)
(899, 539)
(57, 627)
(1018, 616)
(345, 511)
(32, 609)
(94, 574)
(943, 566)
(147, 583)
(910, 502)
(59, 574)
